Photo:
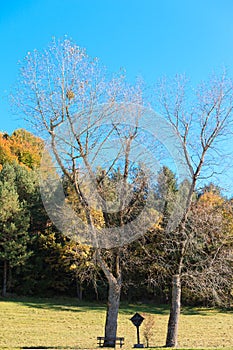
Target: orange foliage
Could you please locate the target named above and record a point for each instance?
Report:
(21, 147)
(6, 154)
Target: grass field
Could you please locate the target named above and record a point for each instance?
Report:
(58, 323)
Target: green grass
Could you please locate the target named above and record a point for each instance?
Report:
(65, 323)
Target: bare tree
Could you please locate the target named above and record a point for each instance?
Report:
(91, 125)
(203, 121)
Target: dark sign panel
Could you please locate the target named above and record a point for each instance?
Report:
(137, 319)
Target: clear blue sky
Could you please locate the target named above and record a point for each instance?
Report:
(151, 38)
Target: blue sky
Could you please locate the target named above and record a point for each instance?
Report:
(150, 38)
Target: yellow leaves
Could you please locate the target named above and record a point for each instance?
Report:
(6, 154)
(21, 147)
(98, 218)
(211, 199)
(73, 267)
(27, 148)
(214, 215)
(77, 258)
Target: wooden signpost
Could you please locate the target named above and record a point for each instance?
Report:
(137, 320)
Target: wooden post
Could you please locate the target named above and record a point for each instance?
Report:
(138, 336)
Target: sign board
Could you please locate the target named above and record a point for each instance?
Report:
(137, 319)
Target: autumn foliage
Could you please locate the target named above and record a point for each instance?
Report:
(21, 147)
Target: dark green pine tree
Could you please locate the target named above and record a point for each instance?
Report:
(14, 222)
(165, 193)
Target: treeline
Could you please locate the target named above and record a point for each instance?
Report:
(36, 259)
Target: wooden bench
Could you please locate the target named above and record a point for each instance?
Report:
(116, 341)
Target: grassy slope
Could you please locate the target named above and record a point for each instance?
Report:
(26, 322)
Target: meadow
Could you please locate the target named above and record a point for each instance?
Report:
(67, 323)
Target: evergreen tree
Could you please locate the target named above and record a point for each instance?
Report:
(14, 223)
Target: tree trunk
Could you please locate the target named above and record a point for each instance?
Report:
(9, 279)
(79, 289)
(4, 278)
(172, 331)
(112, 313)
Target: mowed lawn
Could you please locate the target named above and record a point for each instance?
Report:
(58, 323)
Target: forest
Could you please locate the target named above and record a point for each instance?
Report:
(117, 199)
(38, 260)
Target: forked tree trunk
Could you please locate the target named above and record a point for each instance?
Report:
(172, 331)
(4, 278)
(112, 313)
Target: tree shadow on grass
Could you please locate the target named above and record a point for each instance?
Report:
(192, 311)
(161, 309)
(70, 305)
(165, 309)
(61, 307)
(74, 305)
(144, 308)
(46, 347)
(203, 311)
(58, 348)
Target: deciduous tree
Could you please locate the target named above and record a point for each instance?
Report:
(67, 96)
(203, 121)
